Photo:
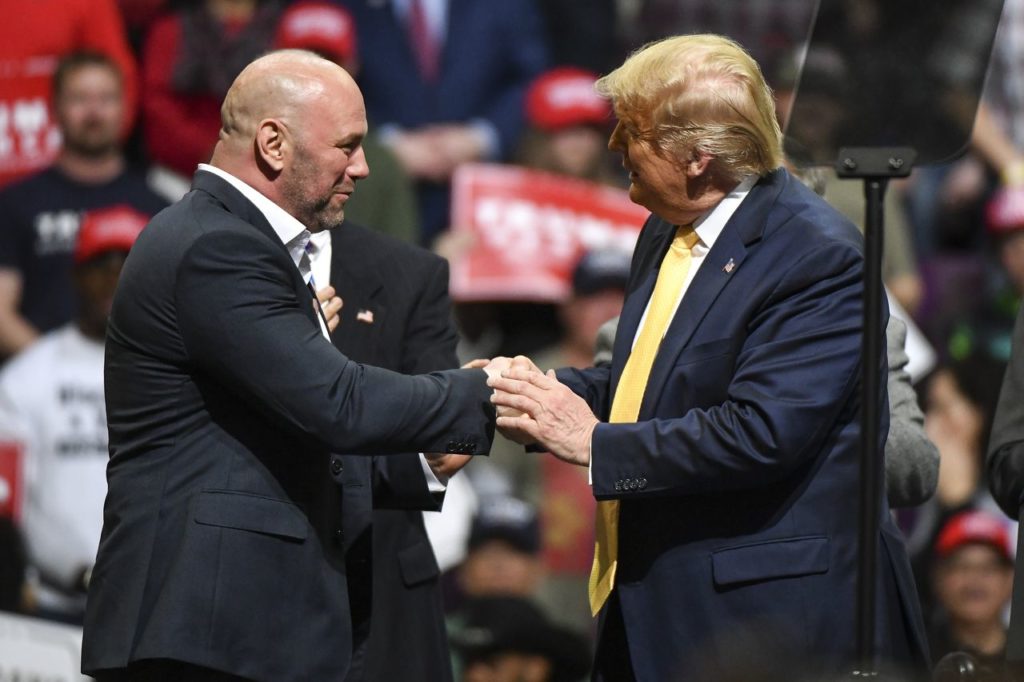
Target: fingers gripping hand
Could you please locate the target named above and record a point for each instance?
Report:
(552, 414)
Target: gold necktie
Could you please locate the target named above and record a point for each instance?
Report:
(628, 396)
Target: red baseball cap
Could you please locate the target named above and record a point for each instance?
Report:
(108, 229)
(566, 97)
(321, 27)
(974, 527)
(1005, 210)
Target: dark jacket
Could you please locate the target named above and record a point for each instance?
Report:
(222, 542)
(738, 482)
(409, 329)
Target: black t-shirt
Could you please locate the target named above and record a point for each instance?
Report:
(39, 219)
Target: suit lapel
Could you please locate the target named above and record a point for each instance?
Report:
(457, 26)
(359, 283)
(707, 284)
(236, 204)
(745, 227)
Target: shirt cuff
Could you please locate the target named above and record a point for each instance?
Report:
(590, 463)
(434, 482)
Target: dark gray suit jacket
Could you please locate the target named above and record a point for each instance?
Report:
(222, 537)
(412, 331)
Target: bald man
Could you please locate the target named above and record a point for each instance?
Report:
(221, 555)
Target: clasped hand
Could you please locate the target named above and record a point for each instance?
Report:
(535, 408)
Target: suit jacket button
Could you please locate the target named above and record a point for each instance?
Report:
(336, 465)
(618, 486)
(642, 483)
(634, 484)
(451, 447)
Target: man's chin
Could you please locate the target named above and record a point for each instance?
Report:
(328, 220)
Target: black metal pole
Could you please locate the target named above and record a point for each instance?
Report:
(870, 454)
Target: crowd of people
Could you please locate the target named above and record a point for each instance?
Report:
(107, 108)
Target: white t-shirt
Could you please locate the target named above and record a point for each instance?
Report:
(51, 400)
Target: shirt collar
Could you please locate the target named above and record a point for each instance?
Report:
(711, 224)
(288, 229)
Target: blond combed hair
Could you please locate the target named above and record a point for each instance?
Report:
(703, 93)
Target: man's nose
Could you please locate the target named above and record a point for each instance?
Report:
(615, 140)
(359, 168)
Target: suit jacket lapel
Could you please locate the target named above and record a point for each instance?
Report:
(745, 227)
(236, 204)
(358, 281)
(699, 297)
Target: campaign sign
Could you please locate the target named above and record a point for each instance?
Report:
(10, 479)
(527, 229)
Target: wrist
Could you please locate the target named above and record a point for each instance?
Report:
(586, 445)
(1012, 174)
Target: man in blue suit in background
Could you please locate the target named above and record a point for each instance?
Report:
(444, 82)
(722, 441)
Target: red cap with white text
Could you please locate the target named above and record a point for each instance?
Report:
(108, 229)
(974, 527)
(566, 97)
(321, 27)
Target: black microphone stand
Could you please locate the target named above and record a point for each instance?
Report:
(875, 166)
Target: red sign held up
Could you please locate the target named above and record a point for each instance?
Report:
(529, 228)
(11, 482)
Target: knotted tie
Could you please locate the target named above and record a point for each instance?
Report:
(629, 395)
(309, 252)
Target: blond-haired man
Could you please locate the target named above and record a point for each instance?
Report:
(722, 441)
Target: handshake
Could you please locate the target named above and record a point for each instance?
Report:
(534, 408)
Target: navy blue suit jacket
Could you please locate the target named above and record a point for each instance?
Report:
(491, 53)
(222, 541)
(738, 482)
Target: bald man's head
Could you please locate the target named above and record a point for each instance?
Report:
(278, 85)
(292, 128)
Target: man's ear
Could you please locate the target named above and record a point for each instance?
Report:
(698, 163)
(271, 143)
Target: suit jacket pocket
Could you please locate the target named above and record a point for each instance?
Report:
(245, 511)
(784, 558)
(705, 351)
(418, 564)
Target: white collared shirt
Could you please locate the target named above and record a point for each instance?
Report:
(707, 227)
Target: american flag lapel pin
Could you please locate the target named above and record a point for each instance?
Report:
(729, 266)
(365, 316)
